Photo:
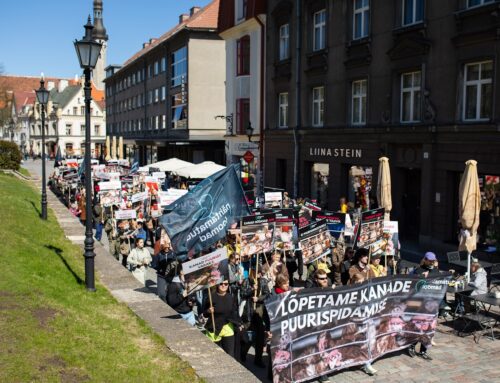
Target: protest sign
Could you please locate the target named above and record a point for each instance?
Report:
(139, 197)
(391, 237)
(349, 227)
(273, 199)
(201, 217)
(314, 241)
(335, 221)
(110, 185)
(205, 271)
(319, 331)
(283, 230)
(126, 214)
(159, 175)
(110, 197)
(170, 196)
(114, 176)
(151, 184)
(257, 234)
(371, 228)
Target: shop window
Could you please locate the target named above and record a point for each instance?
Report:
(358, 102)
(477, 3)
(319, 183)
(284, 46)
(319, 33)
(361, 18)
(360, 186)
(413, 12)
(478, 91)
(243, 56)
(410, 97)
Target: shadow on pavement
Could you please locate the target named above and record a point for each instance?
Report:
(59, 251)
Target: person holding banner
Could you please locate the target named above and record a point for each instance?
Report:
(222, 307)
(139, 260)
(178, 299)
(359, 265)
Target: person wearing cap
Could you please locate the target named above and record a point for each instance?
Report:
(426, 269)
(478, 279)
(376, 269)
(359, 265)
(313, 269)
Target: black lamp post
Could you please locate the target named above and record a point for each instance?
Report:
(42, 96)
(88, 51)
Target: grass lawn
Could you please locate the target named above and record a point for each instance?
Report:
(24, 171)
(51, 328)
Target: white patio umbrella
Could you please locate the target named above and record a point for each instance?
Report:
(199, 171)
(170, 165)
(113, 148)
(120, 148)
(469, 195)
(384, 187)
(108, 149)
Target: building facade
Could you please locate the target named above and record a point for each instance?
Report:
(242, 26)
(163, 100)
(413, 80)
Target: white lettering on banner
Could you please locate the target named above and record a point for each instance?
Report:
(211, 224)
(204, 261)
(125, 214)
(336, 152)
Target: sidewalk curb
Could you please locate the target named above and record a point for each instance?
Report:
(208, 360)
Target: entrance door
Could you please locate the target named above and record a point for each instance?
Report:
(409, 202)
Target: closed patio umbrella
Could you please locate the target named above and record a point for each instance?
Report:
(384, 187)
(108, 149)
(469, 206)
(113, 148)
(120, 148)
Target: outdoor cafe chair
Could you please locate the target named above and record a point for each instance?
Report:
(495, 277)
(476, 320)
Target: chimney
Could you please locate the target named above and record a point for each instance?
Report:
(62, 85)
(194, 9)
(183, 18)
(152, 40)
(50, 85)
(145, 45)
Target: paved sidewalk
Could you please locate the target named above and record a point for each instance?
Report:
(455, 359)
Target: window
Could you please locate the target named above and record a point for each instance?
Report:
(82, 130)
(97, 129)
(358, 102)
(75, 111)
(242, 9)
(319, 34)
(476, 3)
(157, 95)
(478, 91)
(242, 115)
(283, 110)
(163, 93)
(410, 97)
(82, 110)
(163, 64)
(361, 18)
(318, 106)
(413, 11)
(284, 41)
(150, 97)
(179, 66)
(68, 130)
(150, 70)
(243, 56)
(157, 68)
(164, 121)
(179, 112)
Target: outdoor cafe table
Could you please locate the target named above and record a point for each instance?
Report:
(463, 263)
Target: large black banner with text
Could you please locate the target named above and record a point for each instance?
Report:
(318, 331)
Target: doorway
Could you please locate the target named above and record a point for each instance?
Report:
(408, 196)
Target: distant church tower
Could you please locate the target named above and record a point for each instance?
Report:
(99, 33)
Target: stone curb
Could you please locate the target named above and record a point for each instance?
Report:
(209, 361)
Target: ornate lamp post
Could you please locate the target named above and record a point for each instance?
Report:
(42, 96)
(88, 51)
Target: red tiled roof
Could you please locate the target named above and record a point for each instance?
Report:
(23, 98)
(205, 18)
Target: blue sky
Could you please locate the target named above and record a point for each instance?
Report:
(37, 36)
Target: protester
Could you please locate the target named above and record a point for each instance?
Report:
(337, 260)
(359, 265)
(346, 265)
(140, 232)
(425, 270)
(321, 267)
(98, 215)
(225, 318)
(478, 279)
(178, 299)
(235, 273)
(376, 269)
(139, 260)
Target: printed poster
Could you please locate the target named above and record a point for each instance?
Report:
(283, 230)
(273, 200)
(205, 271)
(335, 221)
(371, 229)
(126, 214)
(257, 234)
(314, 241)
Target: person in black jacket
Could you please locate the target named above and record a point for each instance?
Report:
(425, 270)
(178, 299)
(225, 317)
(255, 314)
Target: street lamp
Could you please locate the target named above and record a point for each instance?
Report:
(88, 51)
(42, 96)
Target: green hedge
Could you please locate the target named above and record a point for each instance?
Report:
(10, 155)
